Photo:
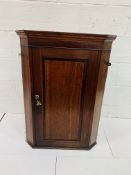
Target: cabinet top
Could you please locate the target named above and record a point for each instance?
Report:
(41, 34)
(44, 39)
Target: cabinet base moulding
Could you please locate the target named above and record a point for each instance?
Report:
(63, 148)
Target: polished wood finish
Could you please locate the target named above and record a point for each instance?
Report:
(62, 105)
(68, 71)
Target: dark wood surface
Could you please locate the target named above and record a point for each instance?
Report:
(62, 104)
(68, 71)
(26, 64)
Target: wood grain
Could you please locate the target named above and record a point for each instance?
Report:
(63, 85)
(68, 71)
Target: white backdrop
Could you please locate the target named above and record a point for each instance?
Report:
(89, 16)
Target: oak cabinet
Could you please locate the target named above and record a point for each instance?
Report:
(64, 76)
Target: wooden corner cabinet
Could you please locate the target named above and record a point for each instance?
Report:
(64, 77)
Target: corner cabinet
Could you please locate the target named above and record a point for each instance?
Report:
(64, 77)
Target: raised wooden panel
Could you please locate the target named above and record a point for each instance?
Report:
(63, 98)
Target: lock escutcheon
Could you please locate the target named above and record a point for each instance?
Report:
(38, 102)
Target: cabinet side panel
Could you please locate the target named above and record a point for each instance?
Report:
(104, 57)
(27, 89)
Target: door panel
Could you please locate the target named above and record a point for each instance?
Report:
(63, 88)
(65, 84)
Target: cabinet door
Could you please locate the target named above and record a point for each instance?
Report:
(64, 92)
